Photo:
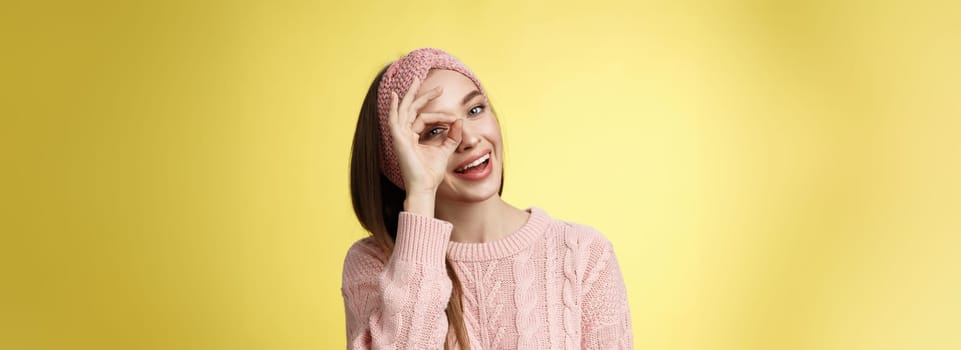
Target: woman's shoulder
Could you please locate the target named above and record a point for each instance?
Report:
(578, 234)
(365, 249)
(364, 258)
(584, 246)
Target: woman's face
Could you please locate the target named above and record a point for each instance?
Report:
(474, 169)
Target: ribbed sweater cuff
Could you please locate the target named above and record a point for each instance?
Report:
(422, 238)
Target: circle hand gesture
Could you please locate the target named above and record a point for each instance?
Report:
(423, 158)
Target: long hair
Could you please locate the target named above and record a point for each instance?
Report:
(378, 202)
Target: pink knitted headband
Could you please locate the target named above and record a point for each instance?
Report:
(398, 78)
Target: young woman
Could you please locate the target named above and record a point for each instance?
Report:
(449, 263)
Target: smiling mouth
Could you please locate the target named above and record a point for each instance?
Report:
(476, 165)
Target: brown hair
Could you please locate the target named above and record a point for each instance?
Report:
(378, 202)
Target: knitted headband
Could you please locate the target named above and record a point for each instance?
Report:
(398, 78)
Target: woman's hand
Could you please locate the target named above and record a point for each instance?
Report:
(423, 158)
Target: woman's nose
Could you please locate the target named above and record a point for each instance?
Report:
(468, 138)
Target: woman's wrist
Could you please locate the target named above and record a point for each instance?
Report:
(420, 202)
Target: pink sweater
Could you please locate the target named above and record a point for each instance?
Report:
(549, 285)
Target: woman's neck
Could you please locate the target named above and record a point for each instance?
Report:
(479, 222)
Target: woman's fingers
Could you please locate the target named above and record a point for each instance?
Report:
(404, 107)
(425, 119)
(392, 114)
(423, 99)
(454, 136)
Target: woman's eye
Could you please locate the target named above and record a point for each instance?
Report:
(433, 132)
(477, 109)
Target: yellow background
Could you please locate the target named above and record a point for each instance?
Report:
(774, 175)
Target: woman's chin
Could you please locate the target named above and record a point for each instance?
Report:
(477, 192)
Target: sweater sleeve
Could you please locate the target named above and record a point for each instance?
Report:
(399, 302)
(606, 319)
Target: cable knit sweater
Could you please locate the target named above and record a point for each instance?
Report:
(549, 285)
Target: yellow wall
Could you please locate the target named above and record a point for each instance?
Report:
(773, 175)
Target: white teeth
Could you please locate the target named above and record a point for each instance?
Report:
(476, 162)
